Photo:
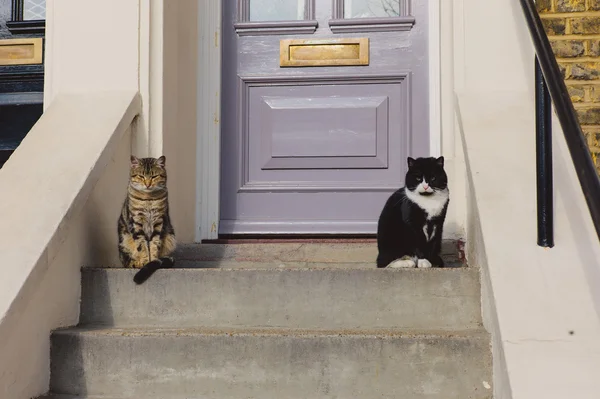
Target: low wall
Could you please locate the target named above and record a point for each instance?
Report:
(62, 191)
(541, 305)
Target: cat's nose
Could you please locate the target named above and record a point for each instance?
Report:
(425, 186)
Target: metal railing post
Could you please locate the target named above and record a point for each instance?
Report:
(543, 153)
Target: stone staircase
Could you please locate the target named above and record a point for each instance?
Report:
(293, 320)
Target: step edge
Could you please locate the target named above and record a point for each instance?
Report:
(154, 331)
(462, 269)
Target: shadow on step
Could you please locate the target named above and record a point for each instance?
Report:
(308, 254)
(70, 356)
(100, 309)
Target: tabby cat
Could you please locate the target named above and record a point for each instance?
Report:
(146, 236)
(409, 232)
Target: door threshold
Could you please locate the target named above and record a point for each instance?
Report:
(291, 238)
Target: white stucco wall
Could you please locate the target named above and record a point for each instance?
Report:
(454, 162)
(150, 46)
(493, 50)
(484, 46)
(541, 305)
(90, 46)
(54, 299)
(60, 215)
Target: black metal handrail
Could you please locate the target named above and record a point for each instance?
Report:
(550, 80)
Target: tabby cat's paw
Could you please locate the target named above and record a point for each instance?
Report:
(401, 264)
(167, 262)
(423, 263)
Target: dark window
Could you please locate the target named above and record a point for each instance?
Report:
(28, 16)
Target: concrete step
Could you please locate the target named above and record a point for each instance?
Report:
(54, 396)
(298, 298)
(270, 363)
(316, 255)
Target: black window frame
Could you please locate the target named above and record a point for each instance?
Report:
(17, 25)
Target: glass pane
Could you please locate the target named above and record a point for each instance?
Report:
(276, 10)
(34, 9)
(371, 8)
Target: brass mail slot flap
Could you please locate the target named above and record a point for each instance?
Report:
(21, 51)
(324, 52)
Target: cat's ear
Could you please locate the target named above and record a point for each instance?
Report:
(161, 161)
(134, 161)
(411, 162)
(440, 161)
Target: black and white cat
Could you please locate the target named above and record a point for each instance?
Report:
(409, 231)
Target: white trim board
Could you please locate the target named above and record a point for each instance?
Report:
(209, 110)
(209, 116)
(435, 84)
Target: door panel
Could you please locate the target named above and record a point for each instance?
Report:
(320, 127)
(311, 128)
(318, 149)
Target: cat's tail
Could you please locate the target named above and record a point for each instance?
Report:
(148, 270)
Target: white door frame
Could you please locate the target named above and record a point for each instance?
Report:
(209, 120)
(209, 112)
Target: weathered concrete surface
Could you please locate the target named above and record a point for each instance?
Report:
(385, 298)
(204, 363)
(290, 255)
(277, 321)
(51, 396)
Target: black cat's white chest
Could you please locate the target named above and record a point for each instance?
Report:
(429, 230)
(433, 205)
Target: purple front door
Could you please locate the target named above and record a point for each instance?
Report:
(318, 149)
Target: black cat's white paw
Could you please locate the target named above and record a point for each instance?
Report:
(423, 264)
(402, 264)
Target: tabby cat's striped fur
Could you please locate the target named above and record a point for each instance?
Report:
(146, 236)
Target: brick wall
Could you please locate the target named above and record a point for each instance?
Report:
(573, 27)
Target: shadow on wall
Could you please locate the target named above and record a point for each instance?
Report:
(104, 207)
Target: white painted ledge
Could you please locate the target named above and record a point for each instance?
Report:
(68, 163)
(542, 306)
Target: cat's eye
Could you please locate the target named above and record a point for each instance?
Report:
(419, 178)
(433, 179)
